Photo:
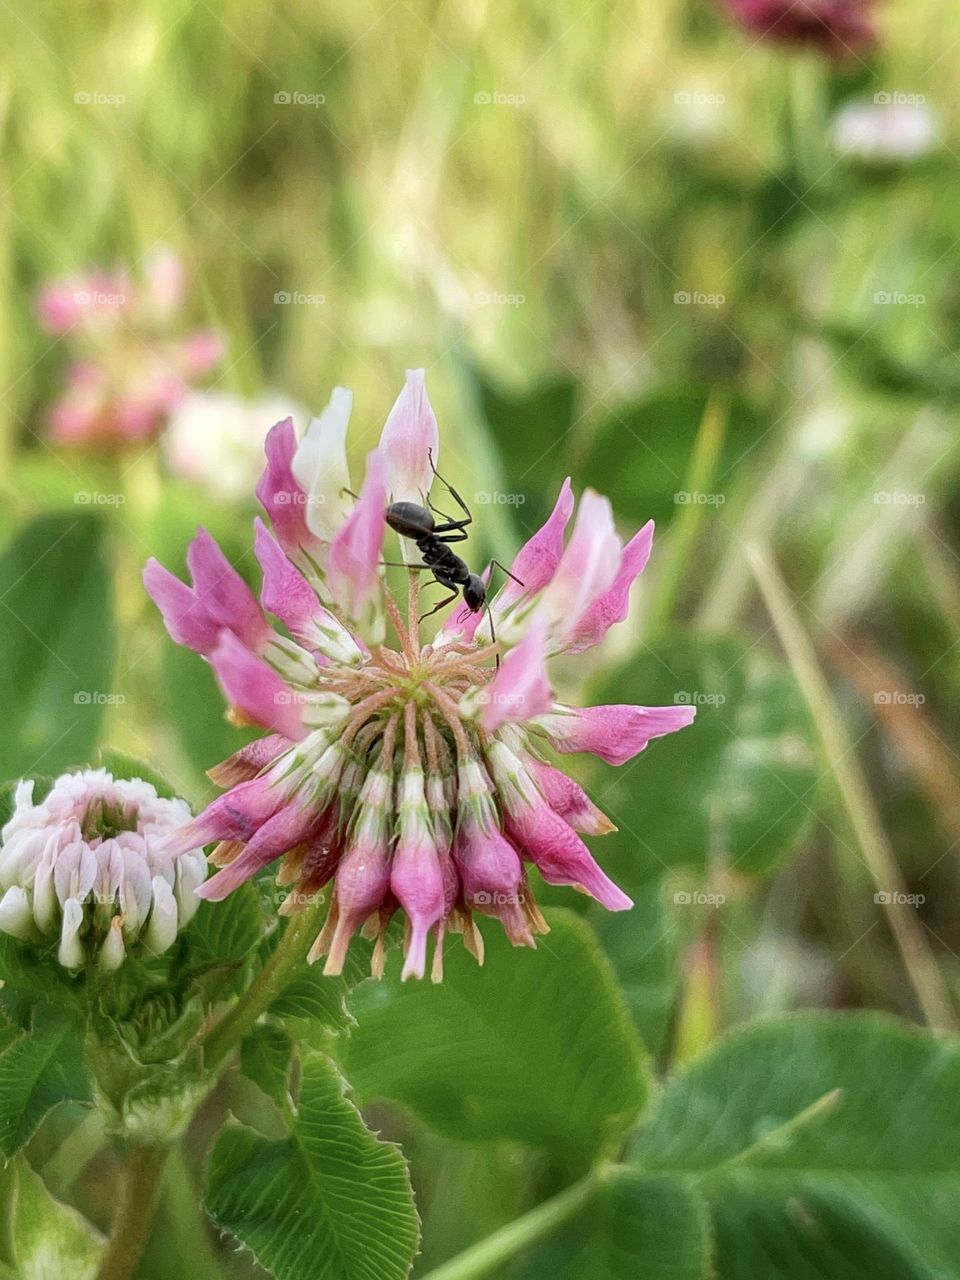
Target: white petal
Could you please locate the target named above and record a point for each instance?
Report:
(16, 914)
(45, 895)
(191, 873)
(161, 929)
(112, 953)
(320, 465)
(70, 953)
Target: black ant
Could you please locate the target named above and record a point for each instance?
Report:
(417, 523)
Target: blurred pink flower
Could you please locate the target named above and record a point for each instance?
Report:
(838, 27)
(130, 366)
(414, 777)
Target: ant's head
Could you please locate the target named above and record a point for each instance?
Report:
(474, 593)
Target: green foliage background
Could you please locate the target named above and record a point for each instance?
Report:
(518, 197)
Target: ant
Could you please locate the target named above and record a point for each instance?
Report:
(417, 523)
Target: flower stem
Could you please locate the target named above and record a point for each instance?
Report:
(138, 1197)
(483, 1258)
(226, 1034)
(876, 853)
(686, 530)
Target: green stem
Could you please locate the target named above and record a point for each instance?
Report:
(684, 533)
(138, 1198)
(481, 1259)
(225, 1035)
(854, 794)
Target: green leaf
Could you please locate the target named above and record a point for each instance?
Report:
(30, 976)
(312, 999)
(633, 1226)
(123, 766)
(226, 934)
(531, 428)
(38, 1070)
(641, 454)
(740, 781)
(51, 1239)
(535, 1045)
(265, 1057)
(820, 1141)
(330, 1202)
(56, 637)
(643, 945)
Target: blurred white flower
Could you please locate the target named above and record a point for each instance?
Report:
(215, 439)
(884, 131)
(88, 865)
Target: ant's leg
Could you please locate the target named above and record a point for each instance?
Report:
(453, 494)
(344, 489)
(452, 532)
(398, 564)
(508, 573)
(493, 634)
(437, 607)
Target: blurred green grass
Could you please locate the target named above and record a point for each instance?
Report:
(515, 196)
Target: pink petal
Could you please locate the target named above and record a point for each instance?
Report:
(165, 282)
(520, 690)
(58, 307)
(536, 561)
(418, 883)
(567, 798)
(249, 760)
(489, 866)
(285, 592)
(612, 606)
(353, 565)
(409, 436)
(586, 569)
(236, 815)
(255, 689)
(561, 856)
(224, 594)
(200, 353)
(615, 733)
(287, 828)
(188, 622)
(280, 493)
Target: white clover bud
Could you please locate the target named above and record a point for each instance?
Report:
(90, 865)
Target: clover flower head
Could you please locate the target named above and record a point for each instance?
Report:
(88, 866)
(413, 777)
(840, 28)
(131, 363)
